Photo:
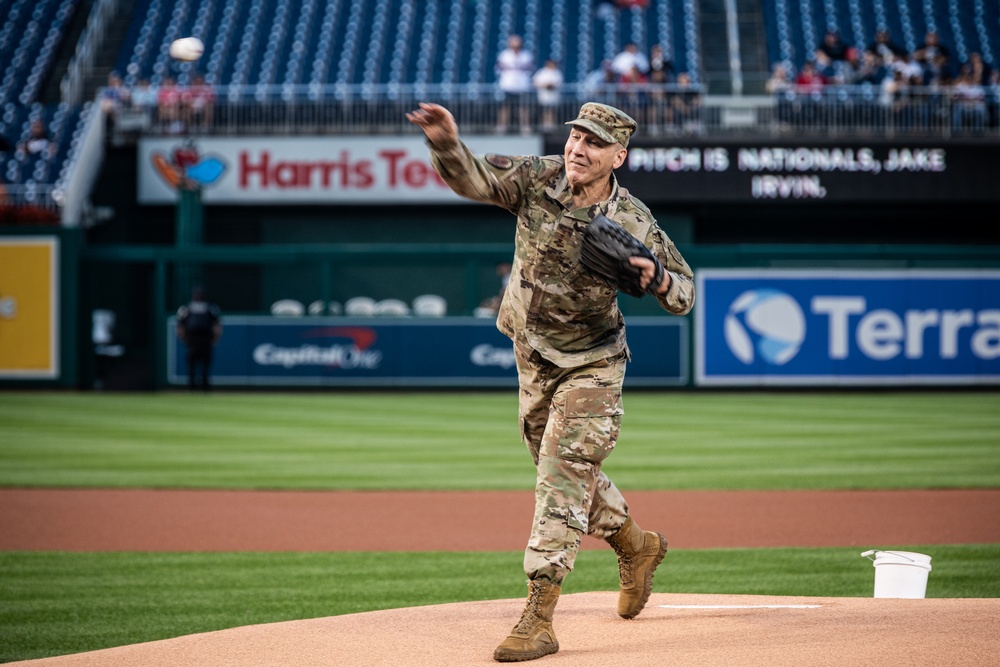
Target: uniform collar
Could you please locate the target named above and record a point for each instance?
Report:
(559, 191)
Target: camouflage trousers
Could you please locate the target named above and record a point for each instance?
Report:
(570, 420)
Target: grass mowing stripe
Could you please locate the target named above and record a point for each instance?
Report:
(469, 441)
(54, 603)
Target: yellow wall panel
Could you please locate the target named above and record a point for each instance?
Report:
(29, 295)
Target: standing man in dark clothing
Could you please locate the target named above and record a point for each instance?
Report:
(199, 327)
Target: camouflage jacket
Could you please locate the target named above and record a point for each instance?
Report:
(551, 302)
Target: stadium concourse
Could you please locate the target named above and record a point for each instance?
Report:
(680, 629)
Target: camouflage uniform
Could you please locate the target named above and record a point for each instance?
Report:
(569, 340)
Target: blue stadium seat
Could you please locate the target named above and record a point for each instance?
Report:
(393, 41)
(795, 27)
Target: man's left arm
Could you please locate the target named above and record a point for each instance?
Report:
(676, 292)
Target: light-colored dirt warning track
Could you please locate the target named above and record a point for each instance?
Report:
(733, 630)
(143, 520)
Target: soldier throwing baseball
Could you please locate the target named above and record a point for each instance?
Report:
(569, 342)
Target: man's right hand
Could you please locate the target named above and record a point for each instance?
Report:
(437, 123)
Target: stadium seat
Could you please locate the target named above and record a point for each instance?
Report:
(430, 305)
(359, 306)
(391, 308)
(288, 308)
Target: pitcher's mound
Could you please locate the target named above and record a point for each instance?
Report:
(673, 629)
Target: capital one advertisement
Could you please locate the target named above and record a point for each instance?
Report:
(304, 170)
(798, 327)
(447, 352)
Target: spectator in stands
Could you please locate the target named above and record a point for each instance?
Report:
(168, 106)
(825, 67)
(885, 48)
(661, 74)
(981, 72)
(144, 98)
(661, 68)
(548, 82)
(779, 85)
(514, 68)
(895, 89)
(632, 91)
(850, 65)
(809, 81)
(968, 102)
(115, 96)
(599, 84)
(909, 68)
(38, 141)
(833, 47)
(685, 105)
(779, 82)
(993, 99)
(628, 58)
(198, 102)
(933, 56)
(870, 70)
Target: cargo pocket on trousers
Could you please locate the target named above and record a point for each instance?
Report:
(591, 422)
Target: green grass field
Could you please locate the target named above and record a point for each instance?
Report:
(469, 441)
(54, 603)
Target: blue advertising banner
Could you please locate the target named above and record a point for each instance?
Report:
(459, 352)
(840, 327)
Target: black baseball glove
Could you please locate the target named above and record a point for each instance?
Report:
(605, 252)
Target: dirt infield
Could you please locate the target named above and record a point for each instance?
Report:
(689, 630)
(675, 629)
(143, 520)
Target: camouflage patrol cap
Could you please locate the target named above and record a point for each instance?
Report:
(610, 124)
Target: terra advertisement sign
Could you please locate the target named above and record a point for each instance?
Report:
(833, 327)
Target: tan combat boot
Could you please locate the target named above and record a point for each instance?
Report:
(639, 552)
(533, 636)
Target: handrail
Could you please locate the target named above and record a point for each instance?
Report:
(733, 38)
(71, 87)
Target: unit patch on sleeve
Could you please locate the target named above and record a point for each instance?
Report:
(499, 161)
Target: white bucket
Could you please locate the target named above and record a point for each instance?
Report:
(900, 574)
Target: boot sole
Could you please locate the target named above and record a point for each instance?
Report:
(647, 589)
(512, 656)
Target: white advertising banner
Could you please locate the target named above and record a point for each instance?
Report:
(304, 170)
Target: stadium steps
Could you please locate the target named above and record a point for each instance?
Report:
(753, 46)
(50, 92)
(107, 54)
(715, 46)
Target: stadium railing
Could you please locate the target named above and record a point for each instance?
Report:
(666, 110)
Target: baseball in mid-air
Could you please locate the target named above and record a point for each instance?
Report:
(187, 49)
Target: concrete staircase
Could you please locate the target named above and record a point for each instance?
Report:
(753, 46)
(106, 57)
(716, 47)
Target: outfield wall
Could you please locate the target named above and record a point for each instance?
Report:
(39, 326)
(145, 279)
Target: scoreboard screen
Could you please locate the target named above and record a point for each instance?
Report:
(810, 172)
